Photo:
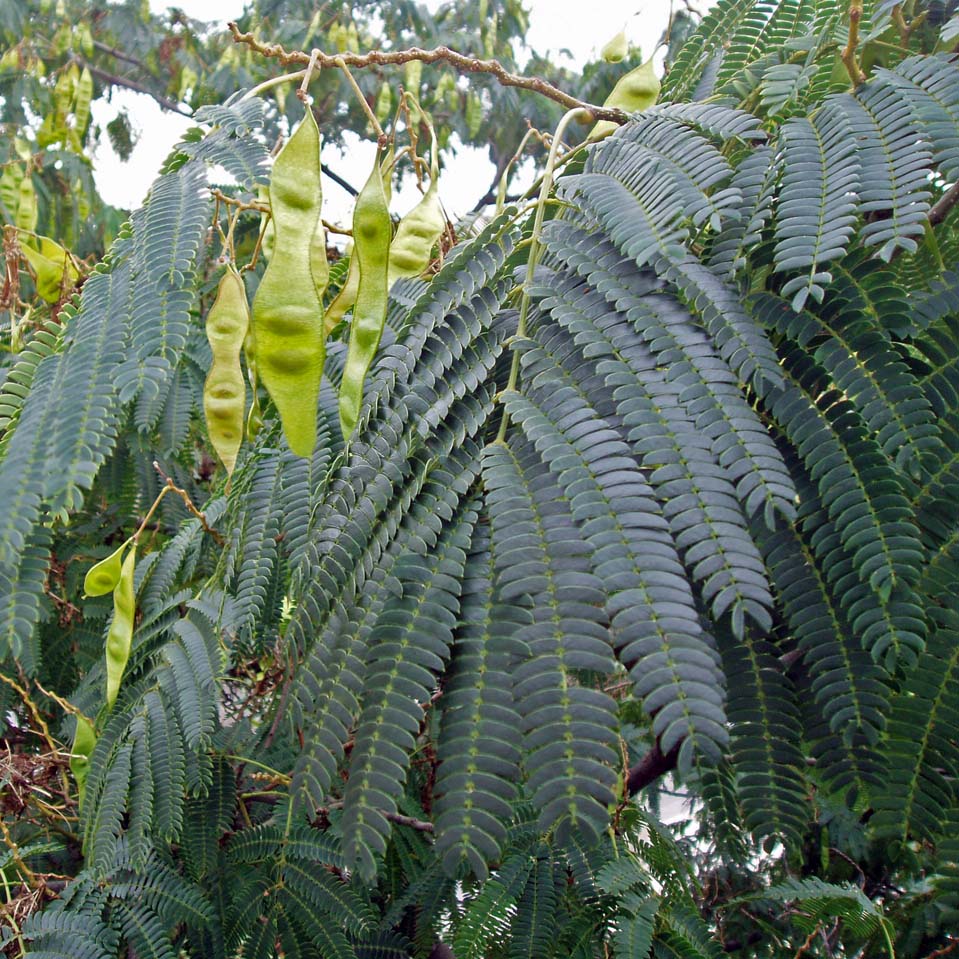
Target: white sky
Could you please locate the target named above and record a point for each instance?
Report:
(554, 25)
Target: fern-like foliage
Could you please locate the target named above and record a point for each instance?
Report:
(682, 501)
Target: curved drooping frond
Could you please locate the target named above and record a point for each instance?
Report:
(256, 552)
(848, 689)
(862, 497)
(406, 649)
(821, 176)
(765, 741)
(155, 746)
(919, 789)
(569, 729)
(477, 748)
(895, 165)
(385, 492)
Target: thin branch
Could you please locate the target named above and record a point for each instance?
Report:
(171, 487)
(418, 824)
(462, 63)
(116, 54)
(900, 21)
(849, 53)
(490, 197)
(34, 711)
(944, 204)
(367, 109)
(339, 181)
(650, 768)
(946, 950)
(163, 101)
(809, 940)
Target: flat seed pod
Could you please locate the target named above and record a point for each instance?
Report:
(103, 577)
(224, 393)
(287, 308)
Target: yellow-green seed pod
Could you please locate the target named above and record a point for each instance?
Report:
(635, 91)
(103, 577)
(266, 223)
(474, 112)
(421, 227)
(26, 218)
(287, 309)
(412, 78)
(346, 297)
(56, 274)
(254, 419)
(352, 38)
(84, 741)
(616, 49)
(224, 393)
(371, 235)
(416, 236)
(384, 102)
(120, 636)
(81, 107)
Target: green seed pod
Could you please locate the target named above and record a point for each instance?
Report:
(84, 741)
(224, 393)
(254, 419)
(346, 297)
(371, 237)
(635, 91)
(120, 636)
(103, 577)
(416, 236)
(50, 263)
(420, 228)
(26, 218)
(81, 109)
(287, 309)
(616, 49)
(384, 102)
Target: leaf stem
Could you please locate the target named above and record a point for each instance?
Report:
(534, 252)
(367, 109)
(272, 82)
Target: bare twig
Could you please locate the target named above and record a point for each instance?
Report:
(119, 81)
(367, 109)
(944, 204)
(185, 496)
(950, 947)
(900, 21)
(809, 940)
(339, 181)
(849, 53)
(116, 54)
(462, 63)
(38, 720)
(650, 768)
(418, 824)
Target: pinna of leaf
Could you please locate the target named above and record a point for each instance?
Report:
(288, 333)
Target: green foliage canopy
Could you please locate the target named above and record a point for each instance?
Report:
(660, 483)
